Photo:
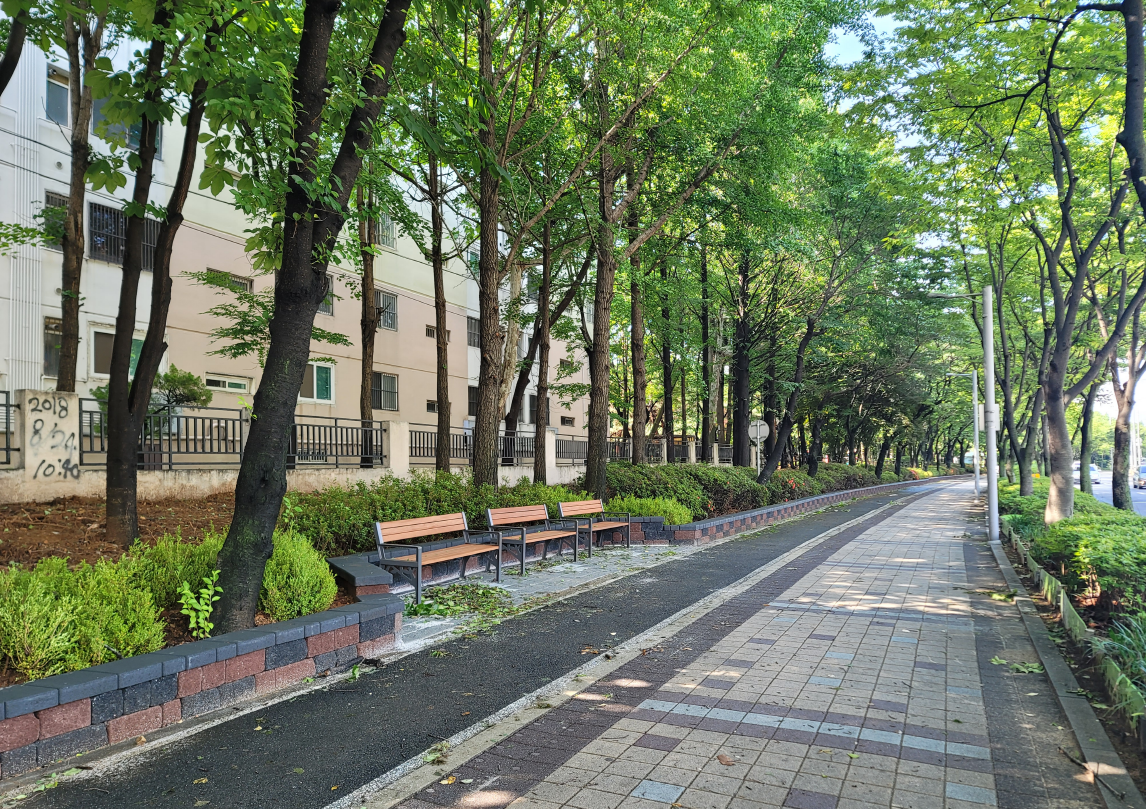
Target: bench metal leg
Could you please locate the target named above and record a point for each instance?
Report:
(418, 585)
(498, 577)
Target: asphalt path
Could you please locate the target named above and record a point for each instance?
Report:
(1100, 484)
(309, 750)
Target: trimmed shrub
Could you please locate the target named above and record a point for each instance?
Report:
(297, 580)
(673, 512)
(162, 567)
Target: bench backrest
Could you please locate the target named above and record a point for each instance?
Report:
(579, 507)
(418, 527)
(516, 514)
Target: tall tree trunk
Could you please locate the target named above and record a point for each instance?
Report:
(899, 460)
(741, 339)
(367, 238)
(784, 431)
(721, 426)
(884, 446)
(539, 474)
(683, 406)
(637, 338)
(816, 448)
(434, 186)
(705, 362)
(13, 47)
(300, 287)
(485, 447)
(1084, 482)
(82, 46)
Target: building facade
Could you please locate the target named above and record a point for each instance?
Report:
(34, 170)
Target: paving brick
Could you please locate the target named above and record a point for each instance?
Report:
(265, 682)
(246, 665)
(172, 712)
(64, 718)
(135, 724)
(371, 649)
(81, 740)
(347, 636)
(19, 761)
(376, 628)
(214, 675)
(77, 685)
(25, 699)
(137, 697)
(295, 672)
(321, 644)
(237, 691)
(345, 656)
(283, 654)
(107, 706)
(325, 662)
(164, 689)
(19, 732)
(201, 702)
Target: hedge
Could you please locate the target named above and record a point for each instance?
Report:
(673, 512)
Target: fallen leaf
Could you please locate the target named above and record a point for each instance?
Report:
(853, 755)
(201, 803)
(448, 781)
(467, 780)
(1033, 694)
(334, 788)
(998, 661)
(727, 761)
(258, 727)
(141, 740)
(200, 780)
(298, 771)
(465, 713)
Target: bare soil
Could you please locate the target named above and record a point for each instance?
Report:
(75, 527)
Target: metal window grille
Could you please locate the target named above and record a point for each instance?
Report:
(327, 305)
(473, 409)
(473, 332)
(384, 391)
(53, 334)
(387, 231)
(108, 231)
(387, 305)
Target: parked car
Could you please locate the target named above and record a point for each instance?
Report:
(1078, 473)
(1139, 479)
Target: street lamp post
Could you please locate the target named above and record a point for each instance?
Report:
(991, 416)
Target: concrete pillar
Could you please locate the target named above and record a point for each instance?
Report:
(692, 452)
(664, 451)
(398, 447)
(550, 454)
(48, 431)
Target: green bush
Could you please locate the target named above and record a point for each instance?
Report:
(338, 520)
(297, 580)
(162, 567)
(673, 512)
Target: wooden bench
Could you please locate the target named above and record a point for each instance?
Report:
(592, 517)
(407, 560)
(539, 529)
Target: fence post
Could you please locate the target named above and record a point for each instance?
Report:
(48, 426)
(692, 452)
(397, 447)
(664, 451)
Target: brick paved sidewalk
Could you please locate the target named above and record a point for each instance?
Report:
(859, 676)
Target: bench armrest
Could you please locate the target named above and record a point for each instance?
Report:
(417, 549)
(494, 536)
(565, 523)
(618, 515)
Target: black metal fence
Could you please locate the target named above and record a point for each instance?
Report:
(573, 450)
(620, 449)
(215, 437)
(7, 427)
(424, 444)
(516, 449)
(724, 454)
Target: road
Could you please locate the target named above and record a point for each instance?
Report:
(1101, 486)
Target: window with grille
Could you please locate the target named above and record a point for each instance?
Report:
(102, 345)
(473, 411)
(532, 408)
(432, 333)
(108, 231)
(130, 134)
(327, 305)
(387, 231)
(568, 421)
(53, 334)
(431, 405)
(567, 366)
(473, 332)
(55, 209)
(475, 261)
(387, 305)
(384, 391)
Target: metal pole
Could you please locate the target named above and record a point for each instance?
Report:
(975, 419)
(991, 416)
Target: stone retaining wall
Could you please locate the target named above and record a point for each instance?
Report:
(45, 721)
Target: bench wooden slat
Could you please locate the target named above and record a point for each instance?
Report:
(604, 526)
(417, 527)
(582, 507)
(513, 514)
(541, 536)
(455, 552)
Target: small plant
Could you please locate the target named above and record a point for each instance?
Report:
(198, 608)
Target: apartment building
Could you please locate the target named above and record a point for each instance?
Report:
(34, 166)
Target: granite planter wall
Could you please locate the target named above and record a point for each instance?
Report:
(45, 721)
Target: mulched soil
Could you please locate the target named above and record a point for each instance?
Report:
(1121, 735)
(74, 527)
